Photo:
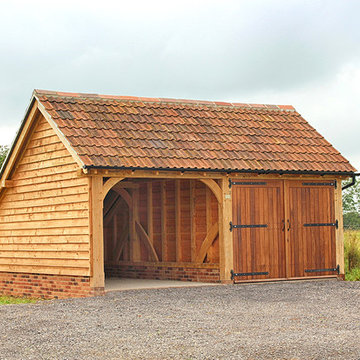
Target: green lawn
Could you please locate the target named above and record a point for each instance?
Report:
(15, 300)
(352, 255)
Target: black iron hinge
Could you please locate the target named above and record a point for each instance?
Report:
(233, 274)
(232, 226)
(231, 183)
(336, 224)
(337, 269)
(332, 183)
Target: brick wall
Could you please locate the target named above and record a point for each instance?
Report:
(164, 273)
(46, 286)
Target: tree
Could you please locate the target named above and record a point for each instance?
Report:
(351, 206)
(351, 198)
(3, 152)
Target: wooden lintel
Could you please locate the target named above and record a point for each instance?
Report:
(152, 174)
(208, 241)
(155, 174)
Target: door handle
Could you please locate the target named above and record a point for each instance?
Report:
(289, 226)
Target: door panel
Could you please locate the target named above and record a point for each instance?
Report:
(312, 233)
(258, 249)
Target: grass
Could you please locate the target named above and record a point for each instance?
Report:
(4, 300)
(352, 255)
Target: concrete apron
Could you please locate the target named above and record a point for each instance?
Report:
(120, 284)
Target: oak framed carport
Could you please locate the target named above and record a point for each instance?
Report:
(98, 186)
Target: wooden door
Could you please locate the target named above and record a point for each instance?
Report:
(310, 228)
(258, 229)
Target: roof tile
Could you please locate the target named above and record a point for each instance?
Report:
(125, 131)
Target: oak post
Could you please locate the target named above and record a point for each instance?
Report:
(192, 221)
(225, 236)
(135, 241)
(150, 225)
(339, 232)
(163, 221)
(178, 220)
(97, 279)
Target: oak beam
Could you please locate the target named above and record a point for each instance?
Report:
(126, 196)
(120, 245)
(208, 241)
(214, 187)
(146, 240)
(108, 216)
(109, 184)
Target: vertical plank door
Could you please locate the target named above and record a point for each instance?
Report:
(311, 228)
(258, 229)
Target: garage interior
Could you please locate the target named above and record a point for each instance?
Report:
(161, 229)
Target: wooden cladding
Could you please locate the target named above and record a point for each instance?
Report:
(44, 215)
(296, 237)
(175, 221)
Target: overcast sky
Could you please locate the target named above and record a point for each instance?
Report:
(304, 53)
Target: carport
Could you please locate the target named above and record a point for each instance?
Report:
(100, 187)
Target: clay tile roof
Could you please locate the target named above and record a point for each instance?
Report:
(154, 133)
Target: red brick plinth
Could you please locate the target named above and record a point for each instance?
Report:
(46, 286)
(201, 274)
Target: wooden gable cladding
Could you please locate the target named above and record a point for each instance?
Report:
(177, 221)
(44, 215)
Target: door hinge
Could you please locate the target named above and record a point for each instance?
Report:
(247, 226)
(233, 274)
(262, 183)
(337, 269)
(336, 224)
(332, 183)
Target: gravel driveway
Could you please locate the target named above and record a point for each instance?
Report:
(293, 320)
